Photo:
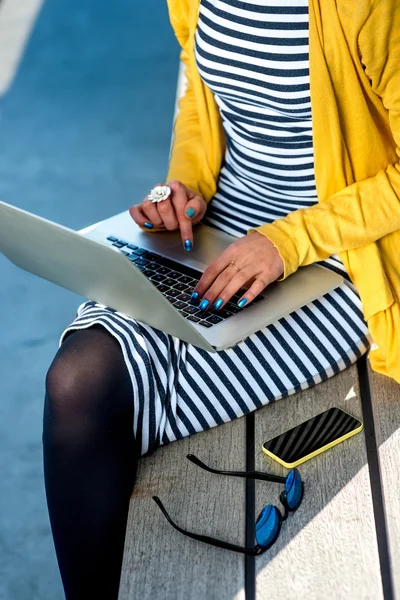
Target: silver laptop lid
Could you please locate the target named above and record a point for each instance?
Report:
(89, 268)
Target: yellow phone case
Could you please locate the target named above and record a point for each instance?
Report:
(319, 451)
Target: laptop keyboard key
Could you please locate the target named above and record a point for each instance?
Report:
(184, 297)
(163, 270)
(111, 238)
(224, 314)
(131, 247)
(192, 310)
(157, 277)
(170, 282)
(118, 244)
(214, 319)
(193, 318)
(151, 256)
(233, 308)
(141, 262)
(162, 288)
(174, 293)
(180, 286)
(140, 252)
(172, 300)
(205, 324)
(185, 279)
(179, 304)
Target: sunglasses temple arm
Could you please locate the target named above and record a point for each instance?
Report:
(205, 538)
(245, 474)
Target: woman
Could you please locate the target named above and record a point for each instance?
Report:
(243, 162)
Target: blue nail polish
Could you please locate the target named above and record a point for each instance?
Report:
(193, 297)
(218, 303)
(188, 245)
(148, 225)
(242, 302)
(203, 304)
(190, 212)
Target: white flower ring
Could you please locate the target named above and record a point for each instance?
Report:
(159, 193)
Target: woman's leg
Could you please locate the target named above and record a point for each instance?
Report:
(90, 461)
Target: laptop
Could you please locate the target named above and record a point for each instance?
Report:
(149, 276)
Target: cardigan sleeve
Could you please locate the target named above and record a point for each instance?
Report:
(188, 161)
(366, 210)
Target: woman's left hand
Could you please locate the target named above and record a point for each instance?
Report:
(259, 265)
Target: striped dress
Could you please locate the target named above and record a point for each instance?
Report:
(253, 55)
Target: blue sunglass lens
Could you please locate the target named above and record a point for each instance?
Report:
(267, 526)
(293, 489)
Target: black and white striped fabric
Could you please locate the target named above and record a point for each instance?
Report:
(254, 57)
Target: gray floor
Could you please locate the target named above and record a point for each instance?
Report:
(85, 130)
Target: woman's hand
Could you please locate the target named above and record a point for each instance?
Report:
(259, 264)
(182, 209)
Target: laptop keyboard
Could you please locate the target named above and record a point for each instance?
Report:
(176, 282)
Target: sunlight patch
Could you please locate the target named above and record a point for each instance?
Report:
(17, 19)
(351, 394)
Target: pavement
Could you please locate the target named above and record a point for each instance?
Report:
(87, 96)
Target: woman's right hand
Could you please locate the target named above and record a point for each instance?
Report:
(181, 210)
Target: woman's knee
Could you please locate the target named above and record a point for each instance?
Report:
(78, 365)
(80, 382)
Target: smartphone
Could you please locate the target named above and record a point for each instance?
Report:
(312, 437)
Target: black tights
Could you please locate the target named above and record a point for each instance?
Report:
(90, 461)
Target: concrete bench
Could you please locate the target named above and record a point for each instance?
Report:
(334, 546)
(344, 540)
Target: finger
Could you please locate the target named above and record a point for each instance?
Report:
(256, 288)
(167, 215)
(221, 283)
(180, 197)
(225, 287)
(194, 210)
(151, 213)
(213, 271)
(140, 218)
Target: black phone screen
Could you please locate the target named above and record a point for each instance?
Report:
(312, 435)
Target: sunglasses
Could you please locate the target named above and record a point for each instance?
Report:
(270, 519)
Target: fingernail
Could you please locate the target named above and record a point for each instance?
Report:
(190, 212)
(148, 225)
(188, 245)
(193, 297)
(218, 303)
(203, 304)
(242, 302)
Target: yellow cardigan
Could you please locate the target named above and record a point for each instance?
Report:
(355, 97)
